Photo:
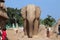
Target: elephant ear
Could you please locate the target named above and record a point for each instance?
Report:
(37, 12)
(23, 12)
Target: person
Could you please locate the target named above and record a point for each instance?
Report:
(0, 34)
(48, 31)
(59, 30)
(4, 33)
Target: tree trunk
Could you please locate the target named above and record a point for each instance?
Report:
(13, 25)
(16, 25)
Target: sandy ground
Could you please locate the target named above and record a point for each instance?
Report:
(12, 35)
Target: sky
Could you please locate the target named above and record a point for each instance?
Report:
(48, 7)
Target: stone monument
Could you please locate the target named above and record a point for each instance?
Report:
(31, 15)
(3, 14)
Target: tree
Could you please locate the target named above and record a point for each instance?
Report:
(14, 16)
(41, 21)
(49, 21)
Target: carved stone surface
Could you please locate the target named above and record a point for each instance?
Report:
(57, 26)
(3, 10)
(3, 14)
(31, 14)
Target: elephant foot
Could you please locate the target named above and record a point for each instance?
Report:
(29, 36)
(25, 33)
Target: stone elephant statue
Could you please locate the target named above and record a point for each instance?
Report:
(31, 14)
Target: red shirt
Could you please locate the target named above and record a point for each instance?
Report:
(3, 35)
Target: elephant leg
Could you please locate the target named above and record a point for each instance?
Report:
(36, 22)
(36, 26)
(30, 29)
(23, 13)
(25, 32)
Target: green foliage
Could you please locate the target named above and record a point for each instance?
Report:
(49, 21)
(41, 21)
(14, 16)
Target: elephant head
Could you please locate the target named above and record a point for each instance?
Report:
(30, 12)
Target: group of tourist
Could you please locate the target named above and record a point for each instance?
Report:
(3, 33)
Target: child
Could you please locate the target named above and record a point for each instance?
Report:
(4, 33)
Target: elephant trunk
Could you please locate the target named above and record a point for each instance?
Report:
(30, 29)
